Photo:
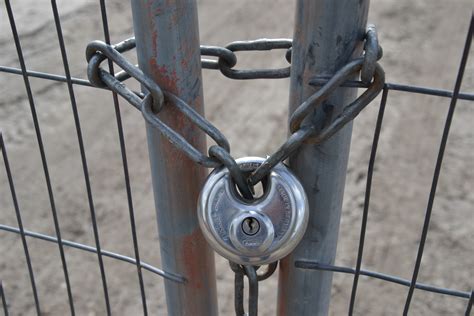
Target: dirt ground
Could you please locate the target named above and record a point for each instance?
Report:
(422, 42)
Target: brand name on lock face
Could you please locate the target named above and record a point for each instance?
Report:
(286, 218)
(216, 218)
(250, 243)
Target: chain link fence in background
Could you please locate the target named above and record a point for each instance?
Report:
(227, 63)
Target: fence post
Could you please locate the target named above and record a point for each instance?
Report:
(327, 35)
(167, 40)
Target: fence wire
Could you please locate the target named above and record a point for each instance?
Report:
(70, 81)
(412, 284)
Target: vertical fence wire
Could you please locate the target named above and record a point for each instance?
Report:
(82, 152)
(123, 152)
(4, 300)
(70, 81)
(20, 226)
(439, 162)
(42, 152)
(469, 304)
(368, 189)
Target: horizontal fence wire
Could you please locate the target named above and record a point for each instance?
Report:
(454, 95)
(70, 81)
(439, 162)
(44, 162)
(123, 152)
(82, 151)
(113, 255)
(381, 276)
(19, 220)
(48, 76)
(315, 82)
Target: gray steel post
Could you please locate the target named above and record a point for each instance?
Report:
(327, 35)
(167, 39)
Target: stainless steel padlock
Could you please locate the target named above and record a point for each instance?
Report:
(253, 232)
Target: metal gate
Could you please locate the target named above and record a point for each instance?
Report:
(331, 46)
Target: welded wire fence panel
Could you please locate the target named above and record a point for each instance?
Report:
(73, 168)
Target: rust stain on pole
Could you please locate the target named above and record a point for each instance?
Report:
(168, 50)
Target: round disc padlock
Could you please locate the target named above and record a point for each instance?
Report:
(253, 232)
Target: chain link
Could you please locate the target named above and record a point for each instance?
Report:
(253, 278)
(178, 140)
(367, 65)
(257, 45)
(227, 59)
(372, 52)
(226, 159)
(308, 133)
(302, 130)
(97, 52)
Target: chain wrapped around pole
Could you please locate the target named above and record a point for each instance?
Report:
(371, 74)
(301, 129)
(307, 133)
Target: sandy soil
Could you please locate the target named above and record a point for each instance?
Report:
(422, 42)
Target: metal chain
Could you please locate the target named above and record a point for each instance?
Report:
(253, 277)
(226, 159)
(302, 129)
(152, 103)
(225, 63)
(308, 133)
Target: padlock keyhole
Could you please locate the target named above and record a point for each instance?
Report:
(250, 226)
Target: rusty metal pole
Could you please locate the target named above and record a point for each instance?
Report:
(167, 40)
(327, 35)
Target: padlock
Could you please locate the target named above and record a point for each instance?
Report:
(258, 231)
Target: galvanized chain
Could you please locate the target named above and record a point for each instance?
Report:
(301, 128)
(227, 58)
(307, 133)
(152, 103)
(253, 278)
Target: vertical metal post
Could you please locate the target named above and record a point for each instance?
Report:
(327, 35)
(167, 39)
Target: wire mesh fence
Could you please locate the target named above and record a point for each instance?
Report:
(134, 258)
